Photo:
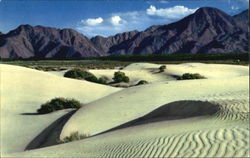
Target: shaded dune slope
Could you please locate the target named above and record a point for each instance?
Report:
(51, 134)
(130, 104)
(174, 111)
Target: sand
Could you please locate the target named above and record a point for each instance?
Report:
(23, 91)
(154, 120)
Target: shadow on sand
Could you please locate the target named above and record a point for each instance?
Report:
(49, 135)
(173, 111)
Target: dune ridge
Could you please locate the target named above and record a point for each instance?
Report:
(172, 131)
(227, 141)
(135, 102)
(23, 90)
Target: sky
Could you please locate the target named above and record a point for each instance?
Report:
(105, 17)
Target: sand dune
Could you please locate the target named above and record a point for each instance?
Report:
(150, 72)
(167, 118)
(132, 103)
(206, 138)
(23, 90)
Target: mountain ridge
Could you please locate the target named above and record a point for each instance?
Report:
(208, 30)
(168, 39)
(46, 42)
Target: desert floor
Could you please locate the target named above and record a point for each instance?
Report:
(164, 118)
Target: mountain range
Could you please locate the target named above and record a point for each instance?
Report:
(208, 30)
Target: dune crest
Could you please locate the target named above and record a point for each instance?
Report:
(23, 90)
(165, 118)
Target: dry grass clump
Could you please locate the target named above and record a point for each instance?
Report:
(73, 137)
(190, 76)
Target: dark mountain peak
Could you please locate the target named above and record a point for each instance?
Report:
(105, 43)
(24, 26)
(207, 10)
(207, 30)
(46, 42)
(244, 13)
(19, 29)
(127, 33)
(118, 38)
(242, 19)
(211, 13)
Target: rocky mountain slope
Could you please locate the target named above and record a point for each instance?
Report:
(208, 30)
(45, 42)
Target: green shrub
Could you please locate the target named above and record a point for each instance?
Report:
(92, 78)
(103, 80)
(73, 137)
(190, 76)
(120, 77)
(141, 82)
(58, 104)
(81, 74)
(162, 68)
(77, 73)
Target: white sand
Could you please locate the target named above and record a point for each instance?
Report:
(23, 90)
(224, 134)
(194, 137)
(135, 102)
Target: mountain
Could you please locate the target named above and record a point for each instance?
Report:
(45, 42)
(208, 30)
(242, 19)
(119, 39)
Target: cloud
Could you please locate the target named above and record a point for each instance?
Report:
(172, 12)
(135, 20)
(115, 20)
(92, 22)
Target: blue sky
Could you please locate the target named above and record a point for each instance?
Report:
(105, 17)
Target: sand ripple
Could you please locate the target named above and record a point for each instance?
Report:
(223, 142)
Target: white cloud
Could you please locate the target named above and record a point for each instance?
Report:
(127, 21)
(115, 20)
(92, 22)
(172, 12)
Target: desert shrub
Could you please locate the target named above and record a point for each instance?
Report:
(162, 68)
(120, 77)
(77, 73)
(81, 74)
(46, 68)
(58, 104)
(190, 76)
(73, 137)
(92, 78)
(103, 80)
(141, 82)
